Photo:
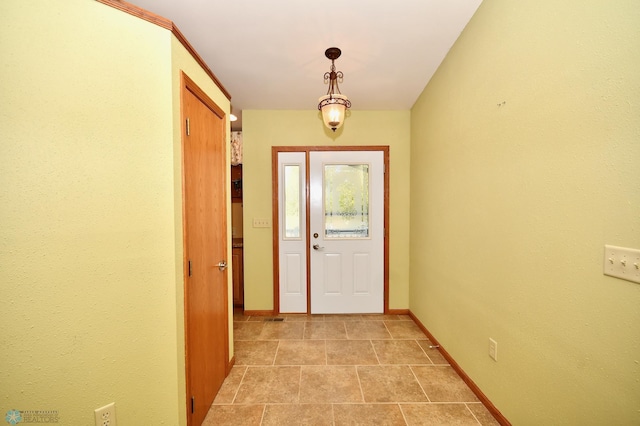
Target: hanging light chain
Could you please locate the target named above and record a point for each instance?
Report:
(333, 77)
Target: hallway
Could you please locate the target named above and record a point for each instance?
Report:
(340, 370)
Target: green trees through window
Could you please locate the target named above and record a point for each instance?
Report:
(346, 200)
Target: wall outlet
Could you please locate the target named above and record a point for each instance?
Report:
(493, 349)
(261, 223)
(106, 416)
(621, 262)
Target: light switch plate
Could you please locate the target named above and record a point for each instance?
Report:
(621, 262)
(261, 223)
(493, 349)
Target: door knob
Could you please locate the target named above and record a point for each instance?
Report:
(222, 265)
(317, 247)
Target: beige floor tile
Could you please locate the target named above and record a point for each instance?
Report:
(260, 318)
(350, 352)
(442, 384)
(316, 317)
(400, 352)
(234, 415)
(247, 330)
(343, 317)
(482, 414)
(367, 330)
(438, 414)
(282, 330)
(298, 414)
(230, 386)
(404, 330)
(328, 384)
(373, 363)
(389, 383)
(380, 317)
(368, 414)
(295, 317)
(325, 330)
(255, 352)
(238, 315)
(301, 352)
(434, 354)
(269, 385)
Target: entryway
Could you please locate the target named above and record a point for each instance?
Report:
(330, 233)
(336, 369)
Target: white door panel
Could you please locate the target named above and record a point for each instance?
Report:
(347, 231)
(292, 225)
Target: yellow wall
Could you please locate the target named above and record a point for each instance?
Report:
(90, 242)
(264, 129)
(525, 162)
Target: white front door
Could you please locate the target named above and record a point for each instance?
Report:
(346, 190)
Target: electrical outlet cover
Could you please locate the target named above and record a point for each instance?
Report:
(106, 416)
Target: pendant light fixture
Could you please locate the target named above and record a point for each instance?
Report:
(334, 104)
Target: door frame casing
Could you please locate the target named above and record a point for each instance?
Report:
(275, 215)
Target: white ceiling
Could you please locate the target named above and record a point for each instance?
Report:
(270, 54)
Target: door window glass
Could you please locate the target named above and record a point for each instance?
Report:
(346, 200)
(292, 201)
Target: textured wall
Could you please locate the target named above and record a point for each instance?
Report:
(525, 162)
(264, 129)
(90, 242)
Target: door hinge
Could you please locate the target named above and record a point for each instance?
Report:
(193, 403)
(189, 268)
(188, 128)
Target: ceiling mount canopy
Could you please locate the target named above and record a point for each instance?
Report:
(334, 104)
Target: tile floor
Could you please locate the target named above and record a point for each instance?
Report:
(340, 370)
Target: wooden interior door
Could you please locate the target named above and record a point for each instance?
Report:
(205, 230)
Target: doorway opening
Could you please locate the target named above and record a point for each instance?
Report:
(331, 216)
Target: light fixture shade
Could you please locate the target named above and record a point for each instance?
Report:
(333, 109)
